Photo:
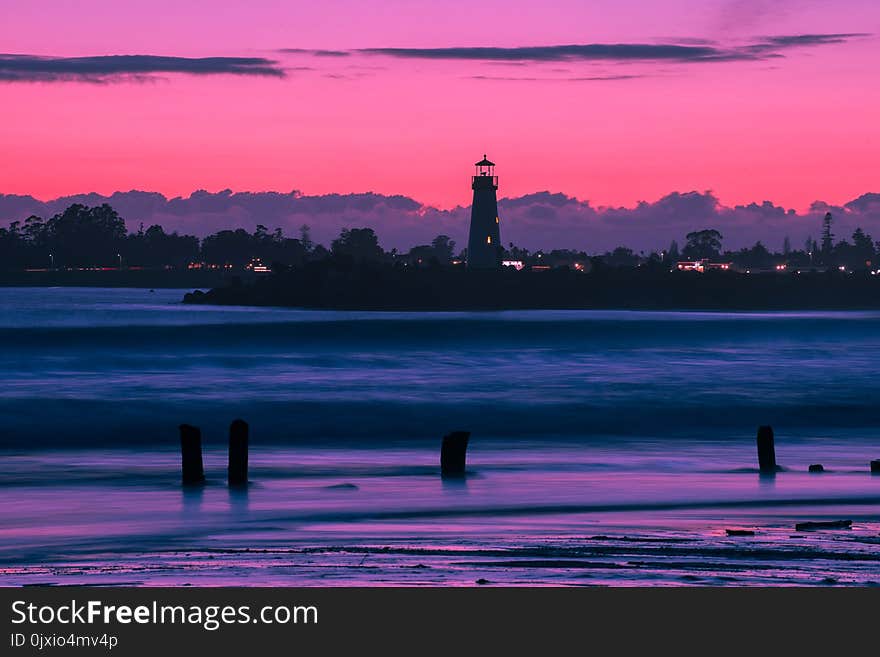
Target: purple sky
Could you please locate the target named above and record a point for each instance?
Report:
(611, 103)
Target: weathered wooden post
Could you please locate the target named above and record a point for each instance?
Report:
(193, 471)
(766, 450)
(453, 453)
(237, 472)
(875, 467)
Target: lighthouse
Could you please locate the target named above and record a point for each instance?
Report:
(484, 242)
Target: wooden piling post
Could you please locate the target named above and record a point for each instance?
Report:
(237, 472)
(766, 450)
(453, 453)
(875, 467)
(193, 471)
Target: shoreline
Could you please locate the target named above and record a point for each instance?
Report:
(306, 521)
(431, 292)
(364, 287)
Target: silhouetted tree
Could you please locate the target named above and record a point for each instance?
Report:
(756, 257)
(621, 257)
(810, 247)
(703, 244)
(516, 253)
(318, 252)
(154, 247)
(827, 236)
(82, 236)
(359, 244)
(17, 252)
(863, 250)
(422, 255)
(277, 249)
(305, 238)
(438, 253)
(228, 247)
(238, 248)
(443, 248)
(572, 259)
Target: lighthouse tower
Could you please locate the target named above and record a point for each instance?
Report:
(484, 242)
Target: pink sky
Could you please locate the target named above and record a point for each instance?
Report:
(791, 128)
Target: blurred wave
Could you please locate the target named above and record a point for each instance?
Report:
(94, 367)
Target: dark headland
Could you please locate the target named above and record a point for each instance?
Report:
(369, 286)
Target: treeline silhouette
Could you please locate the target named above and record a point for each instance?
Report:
(84, 237)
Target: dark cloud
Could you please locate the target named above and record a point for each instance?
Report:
(592, 78)
(865, 203)
(682, 51)
(604, 78)
(638, 52)
(813, 39)
(316, 53)
(774, 46)
(114, 68)
(540, 220)
(504, 78)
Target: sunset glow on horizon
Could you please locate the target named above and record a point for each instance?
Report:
(616, 102)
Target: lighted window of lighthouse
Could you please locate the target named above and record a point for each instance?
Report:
(488, 239)
(497, 220)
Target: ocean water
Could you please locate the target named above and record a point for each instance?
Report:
(607, 448)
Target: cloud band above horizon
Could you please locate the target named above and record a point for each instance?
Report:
(542, 220)
(764, 48)
(114, 68)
